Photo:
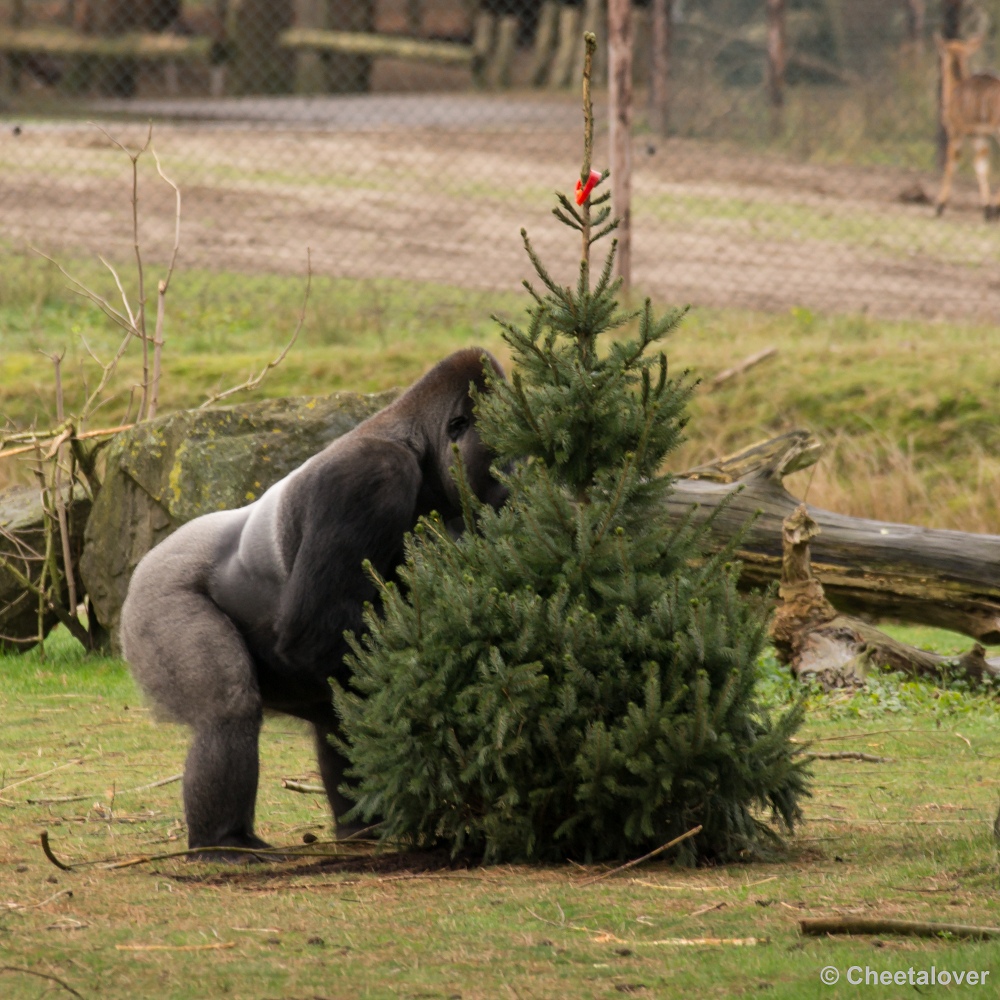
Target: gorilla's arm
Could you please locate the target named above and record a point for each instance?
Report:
(354, 507)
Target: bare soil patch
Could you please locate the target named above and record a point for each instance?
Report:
(436, 188)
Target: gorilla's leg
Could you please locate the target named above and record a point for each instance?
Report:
(220, 786)
(332, 764)
(192, 662)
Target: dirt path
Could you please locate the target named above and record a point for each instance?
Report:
(437, 187)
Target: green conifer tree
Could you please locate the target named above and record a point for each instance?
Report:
(574, 676)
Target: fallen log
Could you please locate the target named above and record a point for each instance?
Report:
(60, 42)
(369, 44)
(835, 649)
(949, 579)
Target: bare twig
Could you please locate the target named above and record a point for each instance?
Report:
(41, 975)
(254, 381)
(176, 947)
(161, 296)
(848, 755)
(42, 774)
(43, 902)
(746, 364)
(645, 857)
(60, 500)
(47, 851)
(139, 319)
(46, 435)
(45, 598)
(124, 791)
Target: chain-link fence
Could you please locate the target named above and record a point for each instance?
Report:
(413, 139)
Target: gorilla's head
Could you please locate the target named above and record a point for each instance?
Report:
(442, 405)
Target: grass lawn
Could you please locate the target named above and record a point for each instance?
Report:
(909, 410)
(912, 417)
(908, 838)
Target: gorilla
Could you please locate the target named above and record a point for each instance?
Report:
(244, 610)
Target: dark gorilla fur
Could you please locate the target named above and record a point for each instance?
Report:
(244, 610)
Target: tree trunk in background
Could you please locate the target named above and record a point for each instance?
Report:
(916, 19)
(620, 137)
(349, 74)
(776, 53)
(659, 81)
(260, 65)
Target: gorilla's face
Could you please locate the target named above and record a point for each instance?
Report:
(460, 430)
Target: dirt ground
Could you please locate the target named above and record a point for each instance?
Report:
(435, 187)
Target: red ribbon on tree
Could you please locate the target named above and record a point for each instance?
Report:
(583, 190)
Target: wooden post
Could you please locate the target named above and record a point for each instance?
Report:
(776, 53)
(620, 111)
(499, 68)
(659, 79)
(260, 65)
(483, 33)
(642, 47)
(310, 72)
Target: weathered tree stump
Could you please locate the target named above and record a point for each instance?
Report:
(949, 579)
(837, 650)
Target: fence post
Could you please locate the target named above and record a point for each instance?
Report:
(620, 110)
(310, 71)
(545, 41)
(569, 35)
(776, 52)
(499, 69)
(483, 35)
(659, 78)
(260, 65)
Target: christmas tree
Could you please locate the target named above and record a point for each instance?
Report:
(575, 675)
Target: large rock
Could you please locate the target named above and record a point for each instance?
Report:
(22, 542)
(163, 473)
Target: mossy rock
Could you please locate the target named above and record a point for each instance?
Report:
(22, 542)
(164, 473)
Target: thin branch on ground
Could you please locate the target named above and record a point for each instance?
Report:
(124, 791)
(645, 857)
(41, 975)
(848, 755)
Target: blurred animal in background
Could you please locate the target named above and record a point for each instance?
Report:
(970, 106)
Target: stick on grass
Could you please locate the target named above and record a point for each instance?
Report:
(645, 857)
(909, 928)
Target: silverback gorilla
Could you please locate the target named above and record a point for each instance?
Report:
(244, 610)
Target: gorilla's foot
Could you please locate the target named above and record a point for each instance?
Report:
(244, 855)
